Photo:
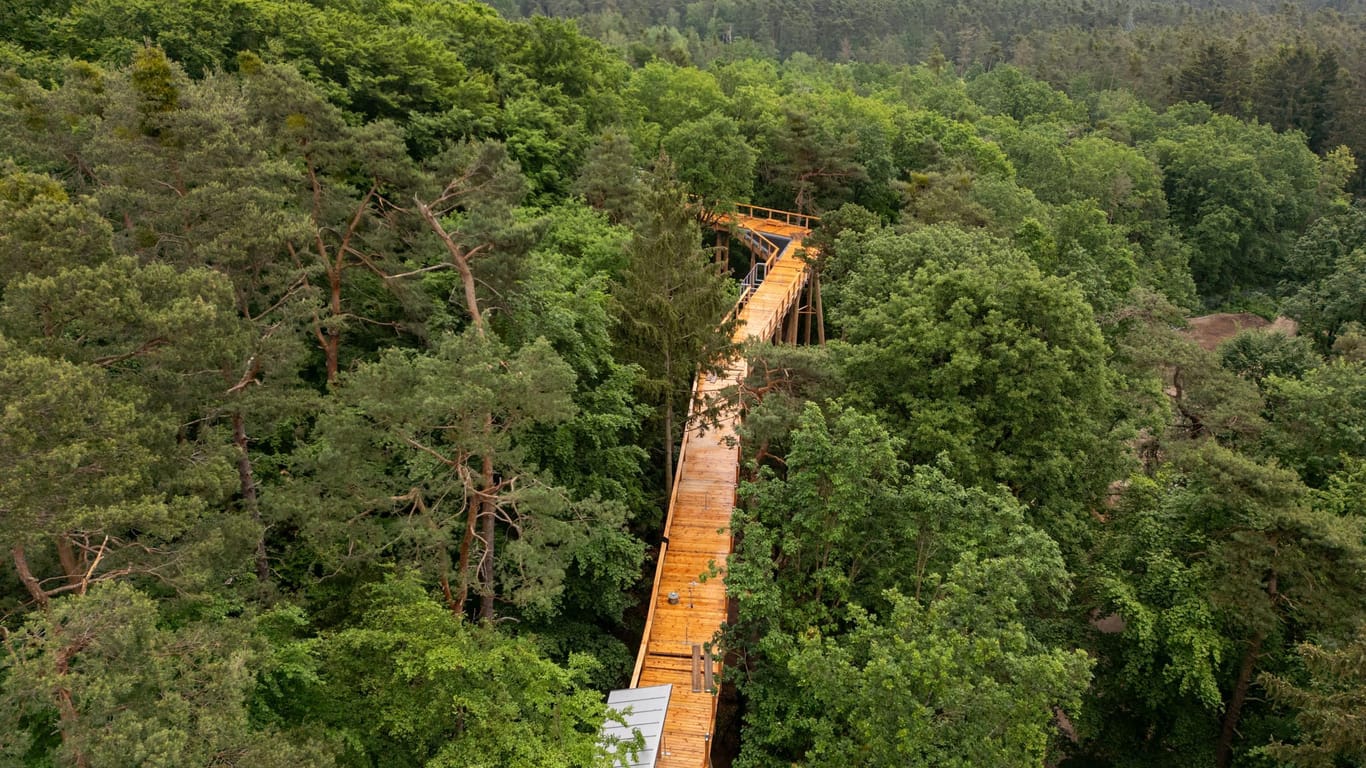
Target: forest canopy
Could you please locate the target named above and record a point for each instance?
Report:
(345, 350)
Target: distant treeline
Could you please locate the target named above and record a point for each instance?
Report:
(1292, 65)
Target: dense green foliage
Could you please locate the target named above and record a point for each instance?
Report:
(345, 348)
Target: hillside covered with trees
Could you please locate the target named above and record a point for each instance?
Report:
(345, 347)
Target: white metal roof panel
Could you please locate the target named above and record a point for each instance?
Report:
(643, 710)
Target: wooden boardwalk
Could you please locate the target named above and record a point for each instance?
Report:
(697, 540)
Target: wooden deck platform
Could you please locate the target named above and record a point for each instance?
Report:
(697, 540)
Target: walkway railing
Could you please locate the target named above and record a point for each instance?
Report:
(759, 244)
(694, 398)
(749, 285)
(803, 220)
(791, 218)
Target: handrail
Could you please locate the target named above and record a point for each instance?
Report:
(792, 218)
(768, 330)
(668, 527)
(803, 220)
(748, 286)
(649, 617)
(711, 736)
(758, 242)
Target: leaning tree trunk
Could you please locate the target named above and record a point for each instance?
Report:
(331, 335)
(30, 582)
(472, 510)
(1223, 753)
(68, 715)
(72, 570)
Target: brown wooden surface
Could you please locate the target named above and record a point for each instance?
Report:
(692, 559)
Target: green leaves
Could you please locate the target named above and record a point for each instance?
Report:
(1238, 191)
(1005, 90)
(997, 368)
(1317, 422)
(1330, 704)
(1326, 306)
(922, 687)
(412, 685)
(45, 230)
(402, 392)
(1172, 633)
(104, 364)
(714, 160)
(119, 687)
(947, 672)
(147, 324)
(297, 285)
(1219, 555)
(671, 96)
(402, 456)
(73, 455)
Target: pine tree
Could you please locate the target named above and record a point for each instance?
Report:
(671, 301)
(1213, 75)
(1293, 89)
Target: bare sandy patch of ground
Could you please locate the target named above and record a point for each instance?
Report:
(1209, 331)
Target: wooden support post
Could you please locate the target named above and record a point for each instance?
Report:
(809, 310)
(820, 313)
(793, 317)
(708, 672)
(696, 668)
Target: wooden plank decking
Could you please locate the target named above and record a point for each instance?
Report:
(697, 540)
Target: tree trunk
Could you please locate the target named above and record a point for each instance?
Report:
(26, 576)
(668, 445)
(471, 298)
(66, 555)
(460, 258)
(481, 503)
(445, 581)
(472, 510)
(246, 477)
(486, 574)
(66, 705)
(1194, 427)
(1223, 753)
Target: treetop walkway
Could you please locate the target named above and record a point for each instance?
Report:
(688, 602)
